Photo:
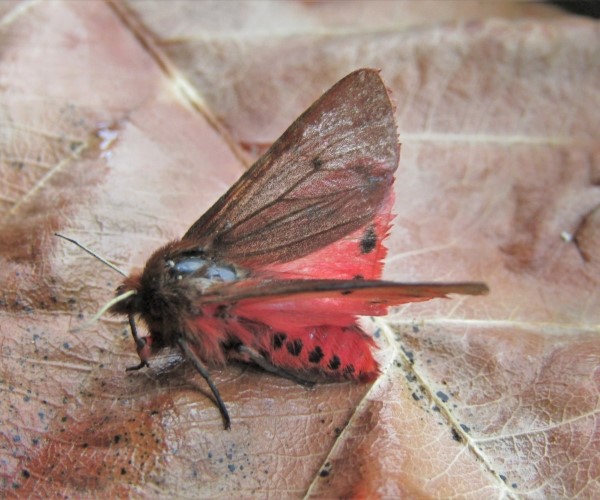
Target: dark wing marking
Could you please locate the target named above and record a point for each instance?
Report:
(325, 177)
(380, 292)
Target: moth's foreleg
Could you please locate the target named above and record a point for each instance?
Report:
(202, 370)
(142, 345)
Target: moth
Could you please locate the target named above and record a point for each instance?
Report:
(277, 271)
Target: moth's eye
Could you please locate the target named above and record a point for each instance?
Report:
(188, 266)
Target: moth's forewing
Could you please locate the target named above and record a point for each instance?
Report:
(384, 292)
(312, 302)
(324, 178)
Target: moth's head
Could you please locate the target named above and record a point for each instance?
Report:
(156, 293)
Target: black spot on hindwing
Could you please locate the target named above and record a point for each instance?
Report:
(368, 242)
(316, 355)
(294, 347)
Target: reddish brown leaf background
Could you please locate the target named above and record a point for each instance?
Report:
(120, 123)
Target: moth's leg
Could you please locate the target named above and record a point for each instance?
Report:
(142, 345)
(261, 361)
(142, 364)
(202, 370)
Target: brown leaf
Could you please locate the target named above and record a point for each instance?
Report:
(119, 128)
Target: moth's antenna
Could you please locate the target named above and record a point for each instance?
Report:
(93, 254)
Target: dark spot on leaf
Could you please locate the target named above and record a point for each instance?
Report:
(117, 438)
(465, 428)
(409, 355)
(231, 468)
(503, 477)
(443, 396)
(316, 355)
(123, 471)
(25, 473)
(456, 436)
(294, 347)
(278, 340)
(334, 363)
(317, 163)
(415, 396)
(415, 329)
(368, 241)
(324, 473)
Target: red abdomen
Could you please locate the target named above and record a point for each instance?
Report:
(327, 351)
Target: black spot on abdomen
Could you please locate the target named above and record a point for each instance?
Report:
(334, 363)
(316, 355)
(294, 347)
(222, 312)
(278, 340)
(368, 242)
(348, 370)
(232, 345)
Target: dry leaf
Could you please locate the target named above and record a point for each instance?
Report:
(121, 123)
